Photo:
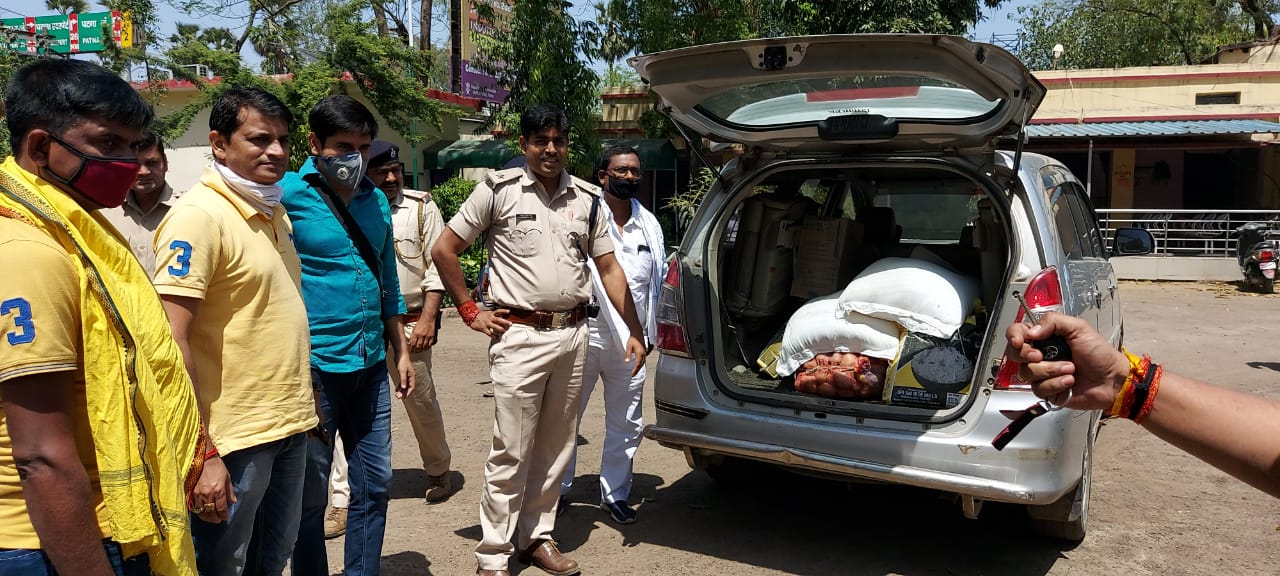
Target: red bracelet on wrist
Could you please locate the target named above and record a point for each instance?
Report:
(469, 312)
(211, 453)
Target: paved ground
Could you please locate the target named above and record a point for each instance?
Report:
(1155, 511)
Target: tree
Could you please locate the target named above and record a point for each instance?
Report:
(310, 45)
(549, 71)
(388, 71)
(1118, 33)
(65, 7)
(801, 17)
(9, 63)
(193, 47)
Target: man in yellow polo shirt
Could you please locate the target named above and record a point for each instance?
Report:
(230, 280)
(99, 430)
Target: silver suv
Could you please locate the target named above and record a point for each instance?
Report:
(894, 137)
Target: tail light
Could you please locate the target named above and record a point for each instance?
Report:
(671, 334)
(1043, 294)
(1266, 255)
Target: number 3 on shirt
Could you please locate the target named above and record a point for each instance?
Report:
(24, 329)
(183, 259)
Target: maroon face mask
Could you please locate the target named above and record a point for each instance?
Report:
(103, 179)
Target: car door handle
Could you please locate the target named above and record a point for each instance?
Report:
(1097, 299)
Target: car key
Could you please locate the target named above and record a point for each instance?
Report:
(1054, 347)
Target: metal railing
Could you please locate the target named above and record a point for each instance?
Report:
(1188, 232)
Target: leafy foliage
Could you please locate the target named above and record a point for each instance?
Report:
(309, 46)
(9, 63)
(388, 71)
(547, 71)
(685, 205)
(1118, 33)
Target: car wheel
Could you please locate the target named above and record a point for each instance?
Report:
(1067, 518)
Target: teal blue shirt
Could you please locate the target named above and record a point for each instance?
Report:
(344, 305)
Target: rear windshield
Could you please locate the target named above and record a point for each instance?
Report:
(907, 98)
(931, 218)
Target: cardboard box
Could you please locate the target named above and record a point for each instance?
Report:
(823, 261)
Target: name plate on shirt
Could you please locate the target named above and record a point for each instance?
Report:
(643, 248)
(526, 217)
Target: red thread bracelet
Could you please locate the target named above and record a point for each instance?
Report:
(469, 312)
(211, 453)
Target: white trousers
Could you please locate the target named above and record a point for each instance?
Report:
(339, 488)
(623, 417)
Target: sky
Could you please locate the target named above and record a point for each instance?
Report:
(998, 21)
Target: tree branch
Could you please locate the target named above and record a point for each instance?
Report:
(271, 16)
(1181, 39)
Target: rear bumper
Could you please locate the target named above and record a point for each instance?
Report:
(791, 457)
(1040, 466)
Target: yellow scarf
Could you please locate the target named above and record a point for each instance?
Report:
(142, 409)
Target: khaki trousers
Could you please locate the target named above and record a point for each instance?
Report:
(537, 379)
(424, 410)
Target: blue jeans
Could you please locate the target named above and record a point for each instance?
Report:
(36, 563)
(356, 405)
(258, 538)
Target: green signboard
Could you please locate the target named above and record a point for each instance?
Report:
(69, 34)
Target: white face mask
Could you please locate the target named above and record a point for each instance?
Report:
(264, 196)
(343, 171)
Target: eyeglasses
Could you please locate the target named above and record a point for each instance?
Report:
(387, 170)
(625, 172)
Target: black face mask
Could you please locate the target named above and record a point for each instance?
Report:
(623, 188)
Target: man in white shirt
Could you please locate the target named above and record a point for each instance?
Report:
(147, 203)
(638, 244)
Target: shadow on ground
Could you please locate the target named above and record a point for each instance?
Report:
(1267, 365)
(804, 525)
(406, 564)
(412, 483)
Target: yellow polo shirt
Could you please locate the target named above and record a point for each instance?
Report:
(249, 340)
(39, 334)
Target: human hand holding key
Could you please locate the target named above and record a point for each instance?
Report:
(1052, 348)
(1045, 350)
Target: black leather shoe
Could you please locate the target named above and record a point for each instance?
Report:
(620, 511)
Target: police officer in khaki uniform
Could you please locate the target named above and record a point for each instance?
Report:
(415, 224)
(147, 203)
(538, 289)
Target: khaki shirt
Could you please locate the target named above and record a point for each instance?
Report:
(138, 227)
(538, 242)
(415, 224)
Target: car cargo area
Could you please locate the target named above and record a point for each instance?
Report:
(848, 289)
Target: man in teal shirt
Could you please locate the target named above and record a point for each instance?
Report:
(342, 230)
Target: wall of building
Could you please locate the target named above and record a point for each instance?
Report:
(1159, 92)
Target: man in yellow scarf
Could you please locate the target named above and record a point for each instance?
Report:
(99, 431)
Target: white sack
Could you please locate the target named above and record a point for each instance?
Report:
(921, 296)
(817, 328)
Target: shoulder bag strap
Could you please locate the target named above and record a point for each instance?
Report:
(363, 246)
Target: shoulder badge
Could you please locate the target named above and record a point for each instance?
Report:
(586, 186)
(416, 194)
(498, 177)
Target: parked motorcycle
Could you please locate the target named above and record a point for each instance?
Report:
(1257, 255)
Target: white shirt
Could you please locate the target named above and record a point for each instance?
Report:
(635, 252)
